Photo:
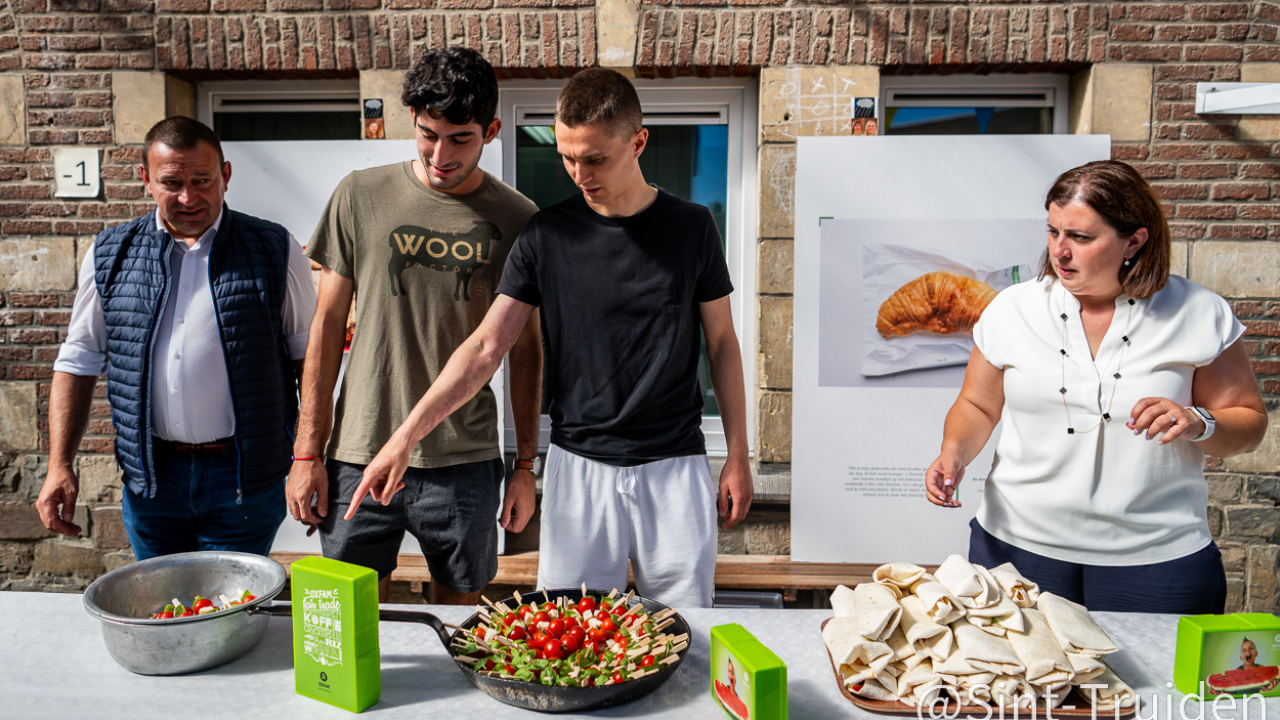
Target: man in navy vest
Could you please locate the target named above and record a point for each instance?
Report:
(199, 315)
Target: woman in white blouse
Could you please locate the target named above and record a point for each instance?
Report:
(1114, 380)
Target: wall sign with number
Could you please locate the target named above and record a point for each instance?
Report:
(77, 172)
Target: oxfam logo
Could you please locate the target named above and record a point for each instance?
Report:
(324, 676)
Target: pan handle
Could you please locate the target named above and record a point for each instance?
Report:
(277, 610)
(425, 618)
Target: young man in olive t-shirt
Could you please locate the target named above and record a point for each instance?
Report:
(625, 275)
(423, 242)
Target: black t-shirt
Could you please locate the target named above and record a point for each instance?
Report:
(620, 320)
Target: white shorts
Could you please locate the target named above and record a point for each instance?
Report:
(660, 515)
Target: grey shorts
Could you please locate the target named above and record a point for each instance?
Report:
(452, 511)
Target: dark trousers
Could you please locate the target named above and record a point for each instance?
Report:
(1192, 585)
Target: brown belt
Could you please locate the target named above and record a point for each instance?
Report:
(209, 448)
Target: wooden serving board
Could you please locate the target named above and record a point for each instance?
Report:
(1074, 705)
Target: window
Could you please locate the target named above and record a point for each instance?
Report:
(281, 109)
(974, 105)
(701, 148)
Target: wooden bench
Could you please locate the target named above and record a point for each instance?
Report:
(775, 573)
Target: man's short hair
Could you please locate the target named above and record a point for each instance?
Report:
(597, 95)
(180, 133)
(455, 83)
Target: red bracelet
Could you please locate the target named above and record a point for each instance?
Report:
(309, 457)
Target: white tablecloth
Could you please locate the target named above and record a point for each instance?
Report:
(53, 664)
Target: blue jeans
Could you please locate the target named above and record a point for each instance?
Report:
(1192, 585)
(196, 507)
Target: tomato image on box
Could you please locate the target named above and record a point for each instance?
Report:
(748, 681)
(1228, 655)
(335, 633)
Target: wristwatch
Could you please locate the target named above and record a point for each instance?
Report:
(533, 465)
(1210, 424)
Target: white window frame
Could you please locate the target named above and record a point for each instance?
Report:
(680, 101)
(257, 96)
(1030, 90)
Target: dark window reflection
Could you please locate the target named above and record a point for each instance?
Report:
(326, 125)
(968, 121)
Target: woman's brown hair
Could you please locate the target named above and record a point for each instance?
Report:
(1124, 199)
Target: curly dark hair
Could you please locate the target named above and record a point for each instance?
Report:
(454, 83)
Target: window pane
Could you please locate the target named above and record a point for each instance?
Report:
(322, 125)
(968, 121)
(689, 161)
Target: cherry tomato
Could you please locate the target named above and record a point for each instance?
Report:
(586, 604)
(619, 609)
(524, 612)
(538, 639)
(570, 622)
(555, 628)
(551, 647)
(540, 617)
(489, 664)
(548, 606)
(597, 635)
(617, 676)
(511, 669)
(570, 644)
(509, 619)
(203, 603)
(164, 615)
(620, 636)
(623, 642)
(248, 598)
(480, 633)
(647, 628)
(517, 632)
(602, 615)
(609, 626)
(577, 633)
(537, 674)
(648, 661)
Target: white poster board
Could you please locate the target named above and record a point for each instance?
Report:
(870, 213)
(290, 182)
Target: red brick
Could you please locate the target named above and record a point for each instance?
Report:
(1187, 33)
(1132, 32)
(1150, 53)
(1182, 151)
(1202, 171)
(1196, 73)
(1270, 171)
(25, 227)
(1129, 152)
(1266, 367)
(1247, 232)
(1153, 171)
(1207, 131)
(1263, 328)
(1241, 191)
(1219, 12)
(30, 372)
(1257, 212)
(1165, 11)
(12, 354)
(1181, 191)
(1201, 53)
(9, 318)
(1206, 212)
(74, 43)
(1186, 231)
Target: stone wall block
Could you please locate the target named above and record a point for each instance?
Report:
(34, 468)
(617, 32)
(1181, 252)
(1237, 269)
(108, 528)
(812, 101)
(37, 265)
(13, 110)
(20, 521)
(1235, 595)
(1262, 488)
(1235, 557)
(19, 431)
(730, 542)
(114, 560)
(775, 271)
(10, 473)
(100, 479)
(769, 535)
(1113, 99)
(1224, 489)
(1249, 521)
(1261, 579)
(1266, 459)
(773, 362)
(773, 420)
(397, 120)
(777, 182)
(15, 557)
(139, 103)
(68, 557)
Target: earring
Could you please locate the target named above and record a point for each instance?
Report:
(1126, 261)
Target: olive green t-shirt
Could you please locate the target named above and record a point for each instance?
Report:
(425, 265)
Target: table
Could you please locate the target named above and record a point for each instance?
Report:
(53, 664)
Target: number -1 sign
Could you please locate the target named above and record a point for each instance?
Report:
(76, 172)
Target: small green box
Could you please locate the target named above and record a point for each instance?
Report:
(335, 633)
(1228, 655)
(747, 680)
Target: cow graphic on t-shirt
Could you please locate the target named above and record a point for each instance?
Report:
(459, 253)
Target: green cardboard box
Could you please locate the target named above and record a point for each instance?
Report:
(747, 680)
(335, 633)
(1228, 655)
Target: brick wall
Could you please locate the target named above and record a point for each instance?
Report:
(1218, 175)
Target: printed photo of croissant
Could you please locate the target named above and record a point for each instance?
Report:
(940, 302)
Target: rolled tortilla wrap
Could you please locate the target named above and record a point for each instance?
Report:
(877, 609)
(1022, 591)
(855, 656)
(941, 605)
(898, 575)
(1039, 650)
(929, 638)
(876, 689)
(1113, 692)
(962, 579)
(1008, 691)
(987, 652)
(842, 602)
(903, 651)
(998, 618)
(1075, 629)
(1086, 668)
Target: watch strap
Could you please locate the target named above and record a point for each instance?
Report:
(526, 464)
(1205, 417)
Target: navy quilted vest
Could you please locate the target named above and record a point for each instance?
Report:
(247, 269)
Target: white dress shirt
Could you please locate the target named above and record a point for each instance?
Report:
(190, 389)
(1100, 496)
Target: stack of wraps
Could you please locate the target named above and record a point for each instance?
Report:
(969, 634)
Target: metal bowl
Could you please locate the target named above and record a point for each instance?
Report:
(124, 598)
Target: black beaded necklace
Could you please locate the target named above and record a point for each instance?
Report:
(1118, 357)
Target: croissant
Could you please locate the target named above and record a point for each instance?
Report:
(940, 302)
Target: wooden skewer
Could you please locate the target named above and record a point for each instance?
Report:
(517, 596)
(613, 593)
(545, 596)
(634, 609)
(664, 614)
(467, 659)
(488, 602)
(630, 594)
(584, 589)
(451, 626)
(679, 648)
(669, 659)
(665, 624)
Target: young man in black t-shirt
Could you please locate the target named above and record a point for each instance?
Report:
(625, 275)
